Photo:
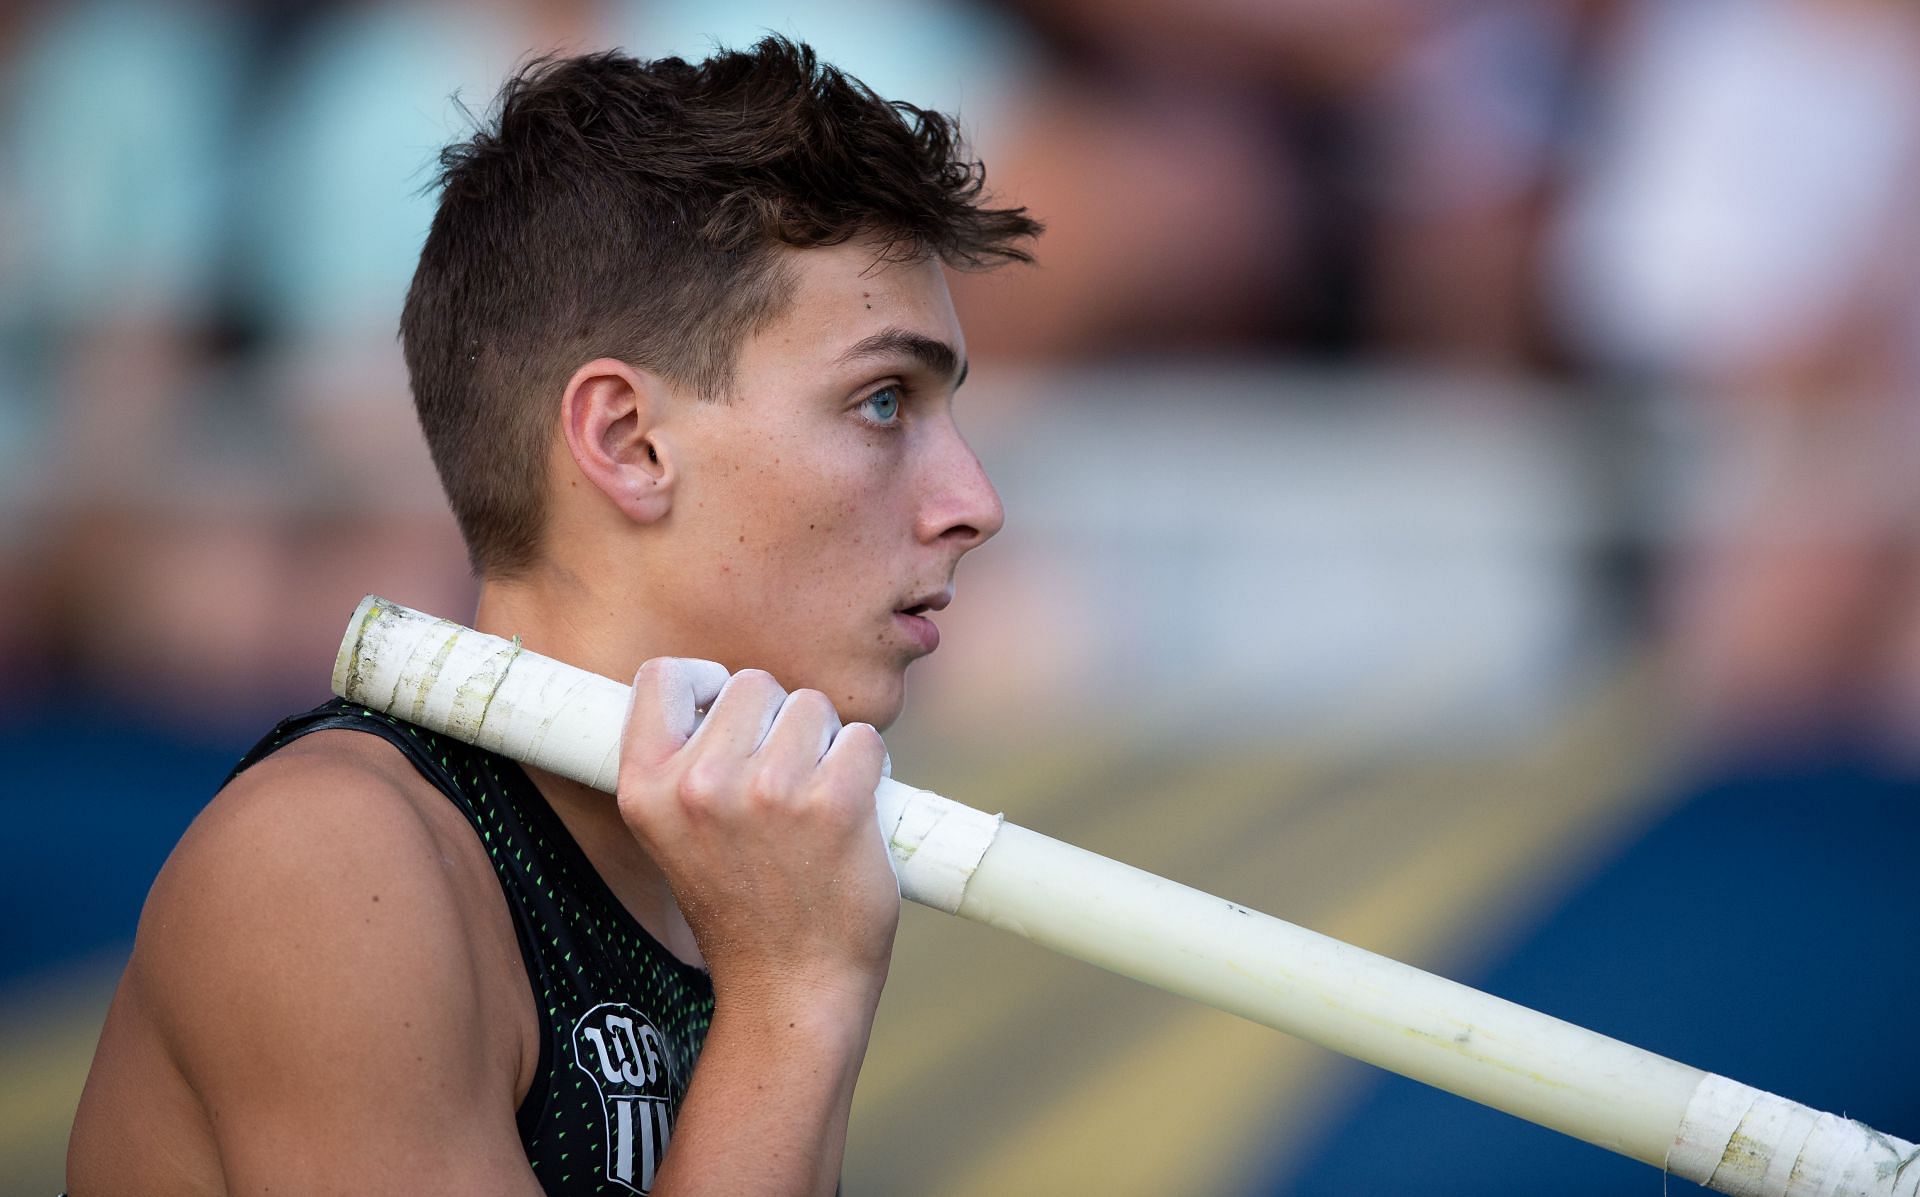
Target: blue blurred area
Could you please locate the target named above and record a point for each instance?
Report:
(1764, 931)
(96, 796)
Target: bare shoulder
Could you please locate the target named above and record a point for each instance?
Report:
(326, 918)
(331, 861)
(329, 820)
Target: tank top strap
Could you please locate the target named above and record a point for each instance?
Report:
(439, 760)
(622, 1019)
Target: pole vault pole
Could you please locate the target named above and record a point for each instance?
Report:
(1705, 1128)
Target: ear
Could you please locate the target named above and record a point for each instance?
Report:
(610, 415)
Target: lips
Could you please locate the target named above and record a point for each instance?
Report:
(919, 629)
(912, 620)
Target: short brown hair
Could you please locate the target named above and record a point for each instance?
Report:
(618, 208)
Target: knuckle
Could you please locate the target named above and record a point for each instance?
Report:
(812, 704)
(705, 783)
(863, 740)
(765, 788)
(750, 688)
(756, 679)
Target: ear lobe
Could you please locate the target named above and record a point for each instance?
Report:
(610, 415)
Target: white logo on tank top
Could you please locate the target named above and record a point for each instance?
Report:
(627, 1058)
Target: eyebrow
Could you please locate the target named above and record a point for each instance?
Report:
(937, 356)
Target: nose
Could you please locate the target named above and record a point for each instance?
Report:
(962, 509)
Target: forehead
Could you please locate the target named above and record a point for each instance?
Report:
(843, 294)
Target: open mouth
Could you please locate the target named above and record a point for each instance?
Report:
(914, 622)
(937, 601)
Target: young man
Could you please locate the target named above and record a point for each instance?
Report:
(682, 347)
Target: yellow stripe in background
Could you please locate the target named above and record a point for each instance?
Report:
(1000, 1069)
(48, 1029)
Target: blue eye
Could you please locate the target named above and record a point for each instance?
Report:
(883, 406)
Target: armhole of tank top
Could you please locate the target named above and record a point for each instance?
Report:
(560, 837)
(533, 1109)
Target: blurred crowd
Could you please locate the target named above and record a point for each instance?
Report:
(1698, 209)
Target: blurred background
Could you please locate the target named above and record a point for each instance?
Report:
(1459, 458)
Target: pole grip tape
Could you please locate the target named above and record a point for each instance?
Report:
(936, 843)
(1745, 1141)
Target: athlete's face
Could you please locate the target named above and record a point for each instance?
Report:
(827, 502)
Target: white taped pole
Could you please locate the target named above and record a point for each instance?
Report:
(1704, 1128)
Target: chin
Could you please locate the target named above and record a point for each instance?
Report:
(878, 703)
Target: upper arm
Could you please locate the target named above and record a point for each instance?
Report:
(308, 961)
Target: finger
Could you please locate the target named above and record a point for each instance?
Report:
(741, 714)
(853, 761)
(802, 731)
(663, 709)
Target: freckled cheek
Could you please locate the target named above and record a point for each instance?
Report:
(808, 546)
(827, 523)
(792, 565)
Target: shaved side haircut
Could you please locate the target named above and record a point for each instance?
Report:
(611, 207)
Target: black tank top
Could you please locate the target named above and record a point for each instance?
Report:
(621, 1018)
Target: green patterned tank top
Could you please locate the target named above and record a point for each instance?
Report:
(621, 1018)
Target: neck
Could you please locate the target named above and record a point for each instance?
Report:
(556, 615)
